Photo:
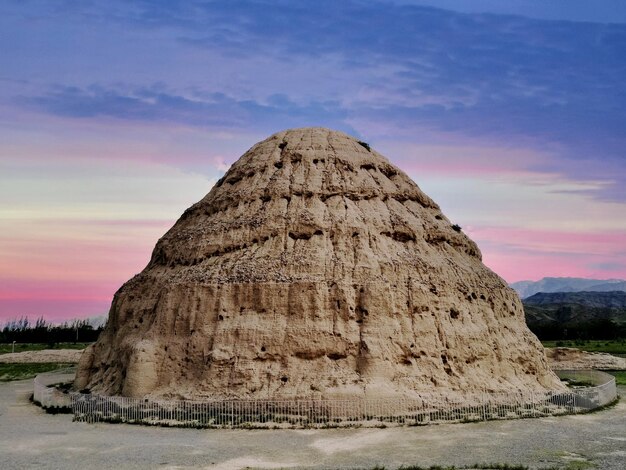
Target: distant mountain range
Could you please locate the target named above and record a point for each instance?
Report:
(611, 300)
(560, 315)
(567, 284)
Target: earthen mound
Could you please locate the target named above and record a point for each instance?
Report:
(314, 269)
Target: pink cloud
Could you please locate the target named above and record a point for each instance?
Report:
(56, 289)
(64, 268)
(68, 140)
(447, 155)
(517, 253)
(52, 309)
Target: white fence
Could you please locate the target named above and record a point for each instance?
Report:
(331, 413)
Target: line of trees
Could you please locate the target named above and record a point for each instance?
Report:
(23, 331)
(594, 329)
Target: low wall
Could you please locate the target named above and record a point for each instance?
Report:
(48, 396)
(332, 413)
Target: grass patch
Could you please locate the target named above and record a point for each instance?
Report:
(495, 466)
(481, 466)
(21, 347)
(12, 371)
(576, 465)
(620, 376)
(615, 346)
(578, 383)
(498, 466)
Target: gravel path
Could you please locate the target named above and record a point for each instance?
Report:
(29, 438)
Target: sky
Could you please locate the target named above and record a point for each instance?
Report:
(117, 115)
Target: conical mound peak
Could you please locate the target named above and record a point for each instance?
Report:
(309, 185)
(314, 269)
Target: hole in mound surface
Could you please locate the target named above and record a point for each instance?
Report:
(388, 171)
(402, 237)
(233, 180)
(336, 356)
(284, 379)
(362, 312)
(282, 145)
(262, 348)
(278, 164)
(301, 236)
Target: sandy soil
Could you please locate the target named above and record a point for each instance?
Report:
(571, 358)
(45, 355)
(29, 438)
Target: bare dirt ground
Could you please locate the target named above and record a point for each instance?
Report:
(45, 355)
(572, 358)
(29, 438)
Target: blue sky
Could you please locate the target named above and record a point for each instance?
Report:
(509, 114)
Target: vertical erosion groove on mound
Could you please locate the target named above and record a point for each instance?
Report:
(314, 269)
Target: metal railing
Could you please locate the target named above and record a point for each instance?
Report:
(337, 413)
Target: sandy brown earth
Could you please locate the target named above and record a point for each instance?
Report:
(572, 358)
(314, 269)
(45, 355)
(559, 358)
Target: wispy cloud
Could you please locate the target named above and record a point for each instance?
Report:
(120, 110)
(553, 85)
(516, 253)
(214, 110)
